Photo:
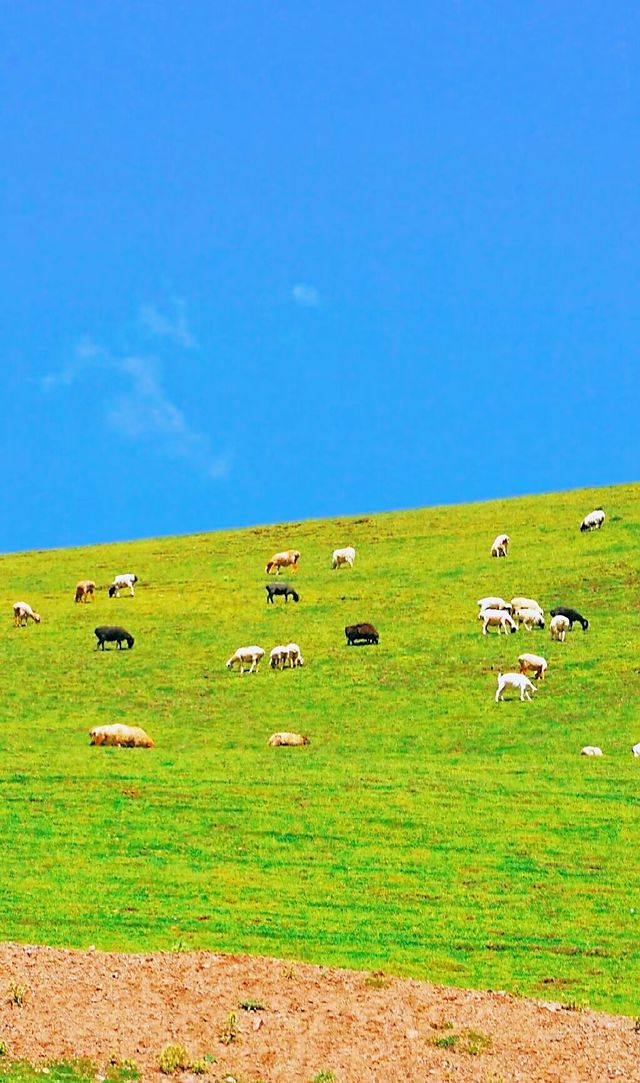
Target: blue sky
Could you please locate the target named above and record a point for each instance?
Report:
(276, 260)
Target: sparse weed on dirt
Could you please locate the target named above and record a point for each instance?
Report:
(16, 993)
(229, 1032)
(173, 1058)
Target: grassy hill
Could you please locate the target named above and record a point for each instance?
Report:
(425, 830)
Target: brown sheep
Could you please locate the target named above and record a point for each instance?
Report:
(85, 591)
(287, 559)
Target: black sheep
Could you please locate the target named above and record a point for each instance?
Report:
(281, 588)
(572, 616)
(109, 633)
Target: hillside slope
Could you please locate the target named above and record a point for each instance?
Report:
(425, 830)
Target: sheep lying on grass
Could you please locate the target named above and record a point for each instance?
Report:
(289, 740)
(120, 735)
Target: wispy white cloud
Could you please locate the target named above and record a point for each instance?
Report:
(174, 327)
(305, 295)
(137, 406)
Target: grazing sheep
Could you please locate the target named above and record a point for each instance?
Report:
(519, 681)
(111, 633)
(497, 618)
(287, 559)
(636, 750)
(245, 656)
(529, 618)
(288, 740)
(121, 736)
(343, 556)
(360, 633)
(277, 657)
(494, 603)
(294, 658)
(282, 656)
(85, 591)
(276, 589)
(535, 663)
(22, 613)
(593, 521)
(500, 545)
(572, 616)
(591, 750)
(525, 603)
(121, 582)
(559, 627)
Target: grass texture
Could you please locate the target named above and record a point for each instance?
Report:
(426, 830)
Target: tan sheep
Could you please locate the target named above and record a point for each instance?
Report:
(85, 591)
(120, 735)
(290, 740)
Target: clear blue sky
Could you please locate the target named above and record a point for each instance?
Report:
(282, 259)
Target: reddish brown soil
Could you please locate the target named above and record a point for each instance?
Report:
(358, 1026)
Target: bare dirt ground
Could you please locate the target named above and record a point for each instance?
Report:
(357, 1026)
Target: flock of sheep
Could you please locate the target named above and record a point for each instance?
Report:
(527, 613)
(494, 612)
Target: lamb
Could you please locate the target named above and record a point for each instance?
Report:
(559, 627)
(494, 603)
(288, 740)
(276, 589)
(535, 663)
(287, 559)
(245, 656)
(519, 681)
(122, 581)
(361, 633)
(572, 616)
(85, 591)
(593, 521)
(591, 750)
(111, 633)
(121, 736)
(529, 618)
(500, 545)
(497, 618)
(22, 613)
(343, 556)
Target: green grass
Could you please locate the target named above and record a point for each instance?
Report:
(425, 830)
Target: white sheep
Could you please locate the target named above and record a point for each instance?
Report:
(519, 681)
(343, 556)
(559, 627)
(277, 657)
(121, 582)
(525, 603)
(294, 658)
(246, 656)
(528, 618)
(535, 663)
(121, 736)
(494, 603)
(22, 613)
(593, 521)
(499, 547)
(591, 750)
(497, 618)
(288, 740)
(636, 750)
